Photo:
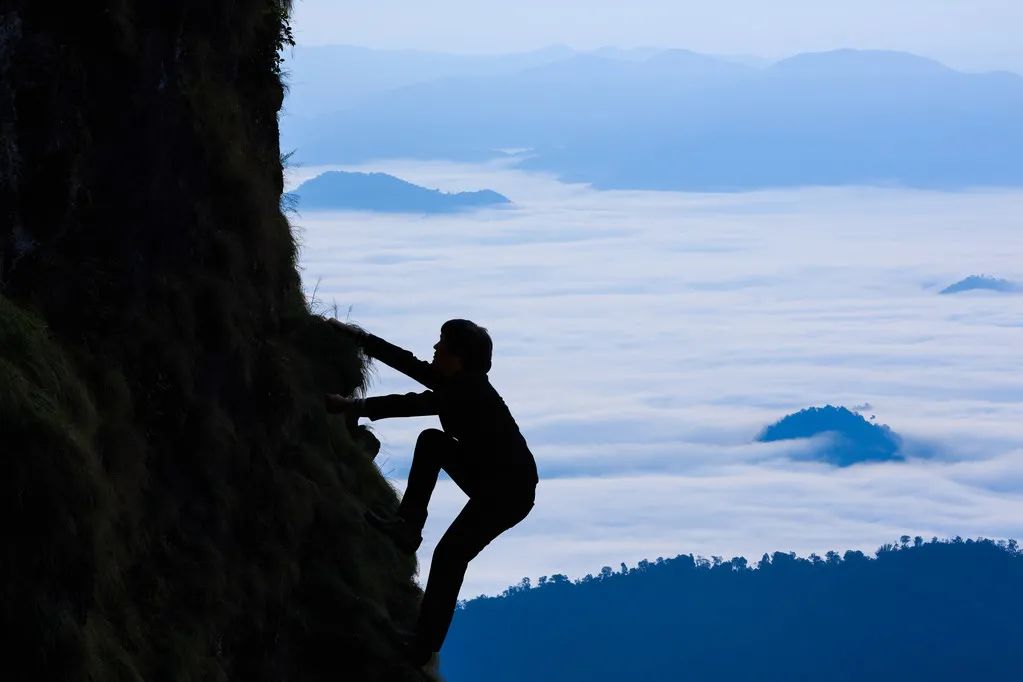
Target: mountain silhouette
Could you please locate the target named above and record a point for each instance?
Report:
(983, 283)
(865, 64)
(329, 78)
(852, 439)
(341, 190)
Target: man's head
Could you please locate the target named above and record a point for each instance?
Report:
(463, 345)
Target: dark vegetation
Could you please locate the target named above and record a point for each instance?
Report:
(919, 610)
(340, 190)
(852, 437)
(984, 283)
(177, 504)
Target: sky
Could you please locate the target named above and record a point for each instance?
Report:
(643, 339)
(965, 34)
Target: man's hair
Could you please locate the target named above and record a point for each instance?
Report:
(470, 342)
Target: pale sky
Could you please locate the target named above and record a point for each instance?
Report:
(967, 34)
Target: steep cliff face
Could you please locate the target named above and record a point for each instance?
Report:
(177, 504)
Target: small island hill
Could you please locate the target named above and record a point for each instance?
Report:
(352, 191)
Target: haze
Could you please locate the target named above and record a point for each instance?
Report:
(966, 34)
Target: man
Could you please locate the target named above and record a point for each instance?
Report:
(480, 447)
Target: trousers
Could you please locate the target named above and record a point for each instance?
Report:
(489, 512)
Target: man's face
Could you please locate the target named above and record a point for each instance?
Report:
(444, 361)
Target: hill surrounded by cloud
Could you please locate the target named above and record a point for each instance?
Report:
(853, 439)
(341, 190)
(982, 283)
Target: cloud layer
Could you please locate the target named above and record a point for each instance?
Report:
(642, 340)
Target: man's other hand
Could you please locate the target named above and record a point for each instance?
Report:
(337, 404)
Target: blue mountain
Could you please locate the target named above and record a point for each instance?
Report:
(328, 78)
(854, 439)
(982, 282)
(341, 190)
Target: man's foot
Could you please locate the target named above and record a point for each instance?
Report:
(351, 421)
(418, 655)
(412, 650)
(398, 529)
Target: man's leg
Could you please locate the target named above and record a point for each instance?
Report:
(473, 529)
(435, 450)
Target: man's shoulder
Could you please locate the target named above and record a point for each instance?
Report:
(468, 377)
(472, 382)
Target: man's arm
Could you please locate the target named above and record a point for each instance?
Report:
(401, 360)
(391, 355)
(397, 405)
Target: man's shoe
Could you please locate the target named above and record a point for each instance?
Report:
(412, 650)
(351, 422)
(418, 655)
(398, 529)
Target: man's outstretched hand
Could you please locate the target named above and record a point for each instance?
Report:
(336, 404)
(355, 333)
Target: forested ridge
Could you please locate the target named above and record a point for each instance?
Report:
(916, 610)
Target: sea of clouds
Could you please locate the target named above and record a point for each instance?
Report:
(643, 339)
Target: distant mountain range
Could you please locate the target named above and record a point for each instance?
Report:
(670, 119)
(328, 78)
(341, 190)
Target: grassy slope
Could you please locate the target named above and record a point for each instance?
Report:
(179, 506)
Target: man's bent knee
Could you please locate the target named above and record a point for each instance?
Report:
(434, 444)
(430, 436)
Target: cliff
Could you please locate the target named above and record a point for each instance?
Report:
(177, 503)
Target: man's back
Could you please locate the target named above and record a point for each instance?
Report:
(473, 412)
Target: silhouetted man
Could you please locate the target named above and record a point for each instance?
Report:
(480, 448)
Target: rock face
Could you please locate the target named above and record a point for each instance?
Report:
(179, 505)
(340, 190)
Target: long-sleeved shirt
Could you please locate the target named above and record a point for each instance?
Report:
(470, 410)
